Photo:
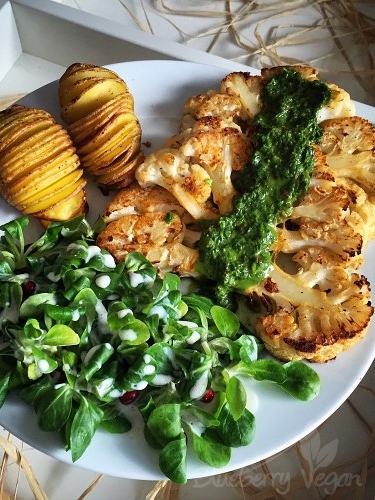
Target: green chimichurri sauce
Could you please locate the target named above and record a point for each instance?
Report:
(235, 249)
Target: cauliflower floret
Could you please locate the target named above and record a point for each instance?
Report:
(349, 145)
(150, 221)
(339, 237)
(137, 200)
(213, 104)
(314, 314)
(220, 151)
(322, 207)
(308, 72)
(157, 235)
(359, 167)
(248, 89)
(212, 110)
(335, 213)
(341, 240)
(340, 104)
(189, 184)
(306, 258)
(352, 135)
(323, 218)
(322, 179)
(208, 123)
(361, 204)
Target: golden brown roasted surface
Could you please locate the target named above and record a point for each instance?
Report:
(150, 221)
(315, 303)
(99, 110)
(40, 172)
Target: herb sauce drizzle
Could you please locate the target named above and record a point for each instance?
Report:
(235, 249)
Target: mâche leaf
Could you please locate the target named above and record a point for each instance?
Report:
(302, 382)
(84, 424)
(210, 450)
(172, 460)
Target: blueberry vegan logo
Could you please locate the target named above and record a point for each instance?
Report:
(320, 472)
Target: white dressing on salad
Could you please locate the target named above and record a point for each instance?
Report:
(139, 386)
(103, 281)
(94, 251)
(194, 337)
(159, 311)
(22, 276)
(103, 387)
(102, 318)
(75, 315)
(161, 379)
(135, 279)
(149, 370)
(200, 386)
(123, 312)
(90, 353)
(170, 355)
(108, 260)
(42, 365)
(127, 334)
(147, 358)
(54, 277)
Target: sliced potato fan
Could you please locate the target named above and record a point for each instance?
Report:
(40, 172)
(84, 88)
(99, 110)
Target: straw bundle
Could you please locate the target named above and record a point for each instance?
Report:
(336, 36)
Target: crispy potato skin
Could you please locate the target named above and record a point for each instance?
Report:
(98, 109)
(40, 172)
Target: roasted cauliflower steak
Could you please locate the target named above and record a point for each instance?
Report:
(315, 303)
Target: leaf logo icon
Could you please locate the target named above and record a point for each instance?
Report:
(318, 456)
(327, 454)
(313, 449)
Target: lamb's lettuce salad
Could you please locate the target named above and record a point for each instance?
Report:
(82, 336)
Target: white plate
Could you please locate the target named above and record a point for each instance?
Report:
(160, 89)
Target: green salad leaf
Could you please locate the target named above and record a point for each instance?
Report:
(83, 335)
